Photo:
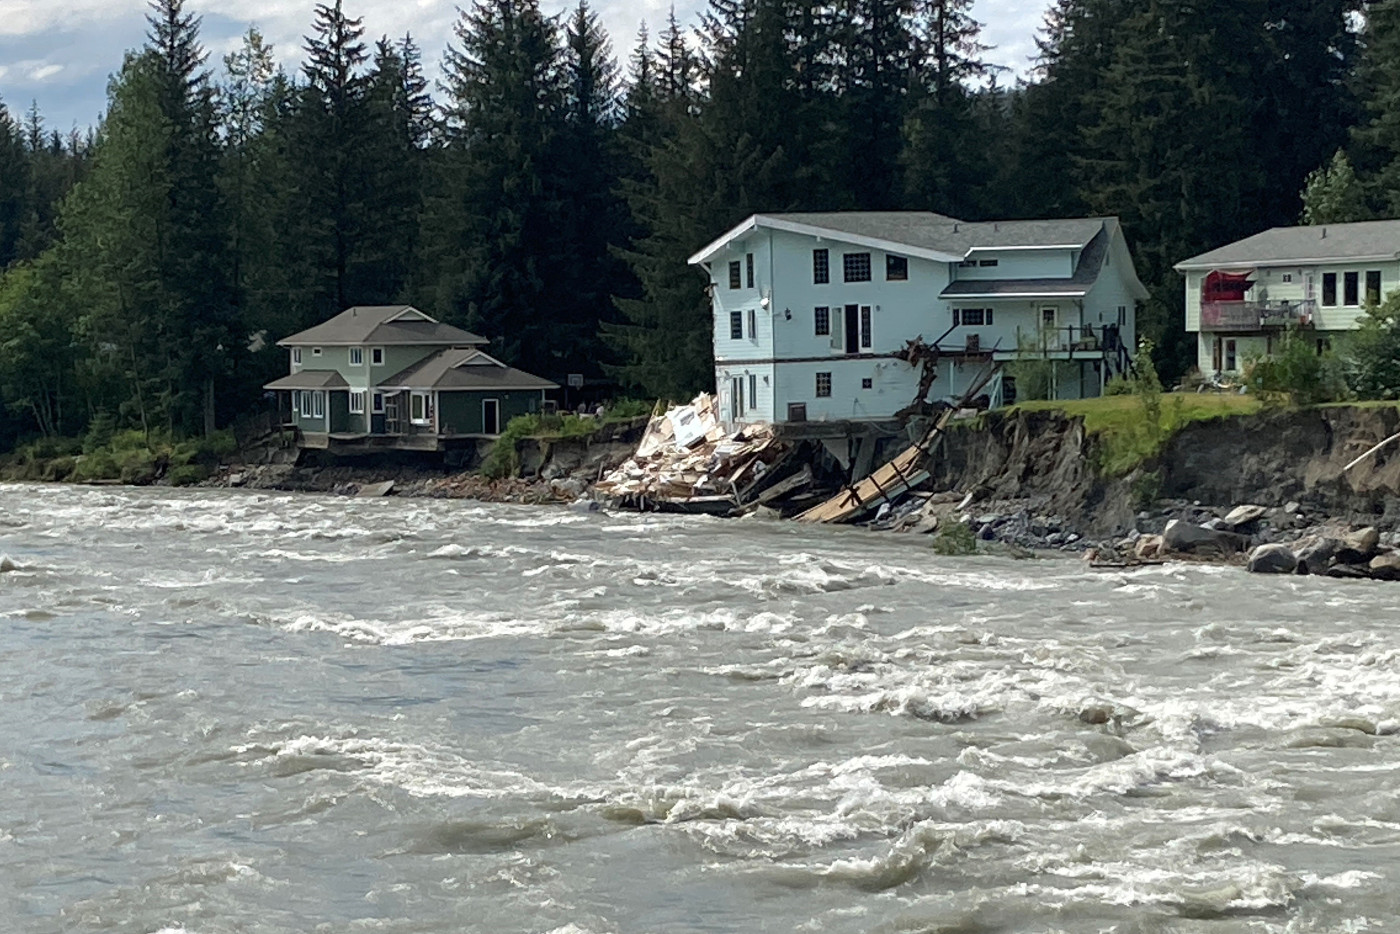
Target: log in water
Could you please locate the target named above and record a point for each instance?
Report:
(240, 712)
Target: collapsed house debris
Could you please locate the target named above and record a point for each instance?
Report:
(687, 462)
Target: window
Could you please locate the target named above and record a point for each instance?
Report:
(866, 383)
(376, 356)
(318, 404)
(753, 389)
(1329, 288)
(734, 274)
(821, 318)
(296, 356)
(967, 264)
(357, 358)
(736, 389)
(1288, 277)
(865, 326)
(357, 403)
(736, 325)
(823, 385)
(305, 395)
(856, 267)
(1122, 315)
(972, 317)
(797, 412)
(896, 268)
(1350, 289)
(753, 325)
(315, 351)
(420, 408)
(1230, 355)
(987, 262)
(748, 269)
(378, 403)
(821, 267)
(1373, 286)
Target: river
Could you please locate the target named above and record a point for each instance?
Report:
(229, 711)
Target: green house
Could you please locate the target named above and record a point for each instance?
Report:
(391, 376)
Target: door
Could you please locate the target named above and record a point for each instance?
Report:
(1230, 357)
(851, 319)
(491, 416)
(1050, 326)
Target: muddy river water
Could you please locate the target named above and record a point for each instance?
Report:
(244, 712)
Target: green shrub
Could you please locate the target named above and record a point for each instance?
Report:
(187, 475)
(1296, 373)
(955, 539)
(1145, 487)
(621, 410)
(99, 433)
(99, 465)
(1119, 385)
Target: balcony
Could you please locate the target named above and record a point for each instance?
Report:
(1256, 316)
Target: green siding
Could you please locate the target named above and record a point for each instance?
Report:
(337, 359)
(338, 406)
(396, 360)
(459, 413)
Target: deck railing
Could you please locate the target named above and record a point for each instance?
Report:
(1256, 316)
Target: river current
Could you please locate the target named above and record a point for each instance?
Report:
(248, 712)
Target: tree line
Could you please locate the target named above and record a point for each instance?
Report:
(546, 193)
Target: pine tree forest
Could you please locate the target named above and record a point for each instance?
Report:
(544, 187)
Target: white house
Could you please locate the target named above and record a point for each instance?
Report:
(1240, 297)
(813, 311)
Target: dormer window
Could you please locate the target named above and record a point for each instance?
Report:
(987, 262)
(357, 357)
(968, 264)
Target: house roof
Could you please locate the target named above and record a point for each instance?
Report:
(383, 325)
(1326, 243)
(1086, 273)
(464, 369)
(922, 233)
(310, 379)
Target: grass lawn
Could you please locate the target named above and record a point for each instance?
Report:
(1124, 439)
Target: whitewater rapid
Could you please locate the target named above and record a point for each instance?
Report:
(229, 711)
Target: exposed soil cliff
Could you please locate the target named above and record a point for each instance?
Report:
(1269, 459)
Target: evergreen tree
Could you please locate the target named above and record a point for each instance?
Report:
(14, 185)
(1333, 194)
(1378, 81)
(495, 228)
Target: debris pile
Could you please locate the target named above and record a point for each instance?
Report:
(687, 462)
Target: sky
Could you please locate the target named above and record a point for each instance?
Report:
(61, 53)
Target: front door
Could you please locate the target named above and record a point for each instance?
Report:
(491, 416)
(852, 321)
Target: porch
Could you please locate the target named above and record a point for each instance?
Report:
(1247, 316)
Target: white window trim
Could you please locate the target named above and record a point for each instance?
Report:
(315, 351)
(357, 402)
(304, 403)
(425, 419)
(376, 356)
(357, 352)
(377, 401)
(296, 356)
(318, 404)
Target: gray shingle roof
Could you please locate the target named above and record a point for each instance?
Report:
(1086, 273)
(310, 379)
(929, 231)
(465, 369)
(1325, 243)
(372, 324)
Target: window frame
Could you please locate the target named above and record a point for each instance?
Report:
(736, 275)
(748, 270)
(821, 266)
(357, 356)
(296, 356)
(376, 356)
(357, 407)
(823, 382)
(1329, 289)
(736, 325)
(982, 317)
(866, 329)
(304, 403)
(821, 321)
(988, 263)
(1351, 289)
(896, 268)
(753, 390)
(753, 324)
(377, 403)
(315, 351)
(855, 267)
(867, 382)
(1371, 295)
(318, 404)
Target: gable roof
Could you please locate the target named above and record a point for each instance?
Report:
(464, 369)
(384, 325)
(1325, 243)
(921, 233)
(1086, 273)
(310, 379)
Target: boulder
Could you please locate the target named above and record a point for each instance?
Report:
(372, 490)
(1362, 544)
(1291, 507)
(1316, 554)
(6, 565)
(1349, 571)
(1272, 559)
(1386, 566)
(1244, 515)
(1197, 539)
(1148, 546)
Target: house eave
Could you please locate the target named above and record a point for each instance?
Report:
(813, 230)
(1192, 265)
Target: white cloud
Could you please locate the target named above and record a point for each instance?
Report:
(44, 72)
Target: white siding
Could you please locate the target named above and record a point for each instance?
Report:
(1019, 264)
